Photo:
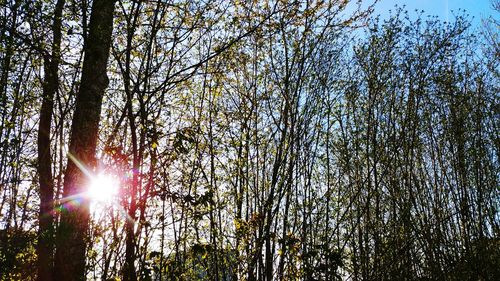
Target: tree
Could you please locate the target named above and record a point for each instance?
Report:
(72, 232)
(45, 246)
(252, 140)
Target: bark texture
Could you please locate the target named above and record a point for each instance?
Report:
(45, 246)
(73, 228)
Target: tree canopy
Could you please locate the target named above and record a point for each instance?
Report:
(246, 140)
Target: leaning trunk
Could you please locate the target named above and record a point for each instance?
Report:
(72, 231)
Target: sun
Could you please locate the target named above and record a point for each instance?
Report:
(103, 188)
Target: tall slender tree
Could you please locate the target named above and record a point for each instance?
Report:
(72, 231)
(45, 246)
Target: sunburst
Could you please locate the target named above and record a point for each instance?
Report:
(103, 188)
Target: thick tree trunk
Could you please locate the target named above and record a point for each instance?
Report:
(72, 231)
(45, 246)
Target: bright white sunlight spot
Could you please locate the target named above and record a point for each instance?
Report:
(103, 188)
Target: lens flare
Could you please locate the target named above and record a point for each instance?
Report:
(103, 188)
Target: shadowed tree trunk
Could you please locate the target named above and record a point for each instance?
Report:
(72, 232)
(45, 246)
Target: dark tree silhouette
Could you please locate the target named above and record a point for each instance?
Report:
(72, 233)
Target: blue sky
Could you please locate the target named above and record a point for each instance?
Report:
(444, 9)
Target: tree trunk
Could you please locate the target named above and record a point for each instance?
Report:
(45, 246)
(72, 232)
